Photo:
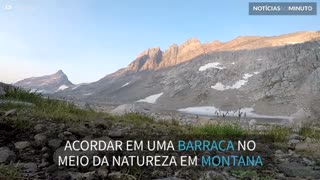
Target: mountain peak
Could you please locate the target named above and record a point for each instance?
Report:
(146, 60)
(46, 84)
(149, 52)
(174, 45)
(192, 40)
(59, 72)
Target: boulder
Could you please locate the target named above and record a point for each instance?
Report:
(55, 143)
(309, 148)
(295, 136)
(28, 167)
(116, 133)
(40, 128)
(213, 175)
(120, 176)
(78, 175)
(102, 172)
(79, 130)
(6, 155)
(22, 145)
(40, 139)
(170, 178)
(12, 112)
(299, 170)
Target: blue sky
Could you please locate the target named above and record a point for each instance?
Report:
(89, 39)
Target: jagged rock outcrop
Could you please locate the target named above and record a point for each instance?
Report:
(154, 58)
(170, 55)
(147, 60)
(46, 84)
(188, 50)
(179, 54)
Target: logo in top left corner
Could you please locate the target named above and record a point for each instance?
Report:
(8, 7)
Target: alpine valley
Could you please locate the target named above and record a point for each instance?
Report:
(266, 77)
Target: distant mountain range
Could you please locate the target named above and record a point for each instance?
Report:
(276, 76)
(46, 84)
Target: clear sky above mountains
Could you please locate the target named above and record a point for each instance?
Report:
(88, 39)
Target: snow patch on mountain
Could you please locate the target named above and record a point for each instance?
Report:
(126, 84)
(151, 99)
(62, 87)
(237, 85)
(37, 91)
(220, 87)
(215, 65)
(87, 94)
(247, 76)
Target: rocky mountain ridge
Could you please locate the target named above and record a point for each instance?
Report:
(154, 58)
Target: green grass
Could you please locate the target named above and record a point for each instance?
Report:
(277, 133)
(169, 123)
(310, 132)
(21, 95)
(250, 174)
(45, 107)
(244, 174)
(9, 172)
(222, 130)
(134, 118)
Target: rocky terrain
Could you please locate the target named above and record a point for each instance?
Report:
(46, 84)
(268, 77)
(31, 138)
